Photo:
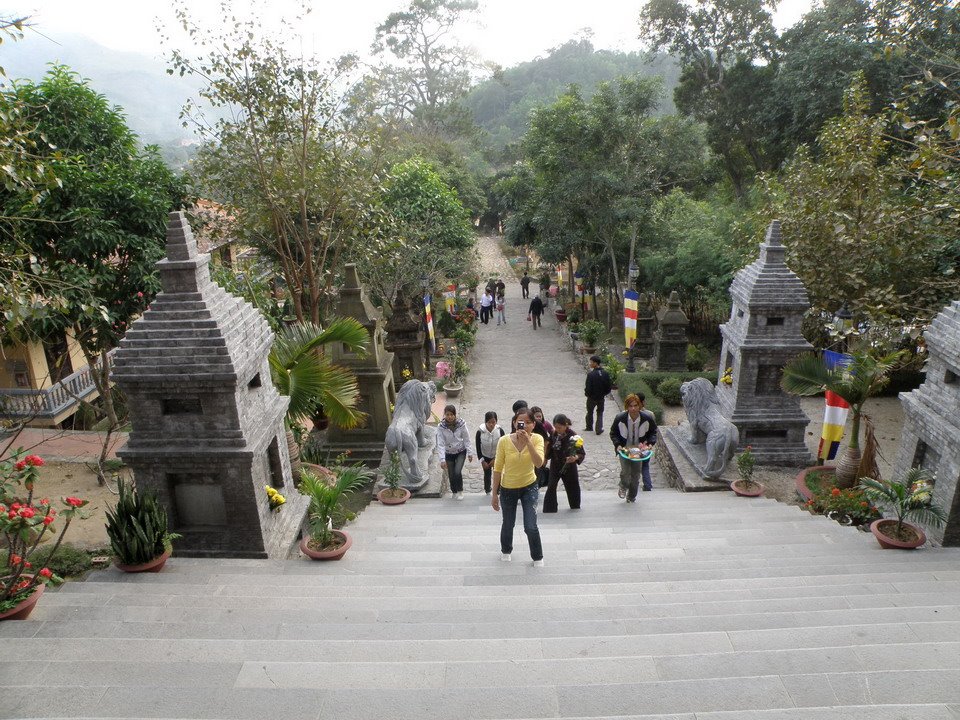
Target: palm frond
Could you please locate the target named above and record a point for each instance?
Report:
(807, 374)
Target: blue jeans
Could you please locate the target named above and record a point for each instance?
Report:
(455, 470)
(630, 476)
(528, 498)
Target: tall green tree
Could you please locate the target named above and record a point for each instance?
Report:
(300, 173)
(99, 231)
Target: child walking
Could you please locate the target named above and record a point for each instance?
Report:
(501, 314)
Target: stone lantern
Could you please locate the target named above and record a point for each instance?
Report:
(405, 339)
(670, 338)
(207, 423)
(374, 372)
(762, 335)
(646, 325)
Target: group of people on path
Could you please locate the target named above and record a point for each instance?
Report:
(493, 300)
(538, 454)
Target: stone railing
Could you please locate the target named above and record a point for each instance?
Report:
(26, 404)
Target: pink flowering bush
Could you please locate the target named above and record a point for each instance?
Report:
(25, 523)
(443, 369)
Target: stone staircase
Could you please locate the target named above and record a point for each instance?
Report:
(683, 606)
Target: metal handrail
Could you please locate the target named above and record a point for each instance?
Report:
(48, 402)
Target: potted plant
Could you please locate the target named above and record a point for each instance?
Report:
(590, 333)
(909, 500)
(323, 542)
(137, 528)
(855, 382)
(746, 486)
(24, 524)
(393, 494)
(456, 372)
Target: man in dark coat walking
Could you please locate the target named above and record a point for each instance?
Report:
(597, 387)
(536, 310)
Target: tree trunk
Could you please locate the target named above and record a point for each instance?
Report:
(850, 461)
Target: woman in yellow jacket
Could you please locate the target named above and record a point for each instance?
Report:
(515, 481)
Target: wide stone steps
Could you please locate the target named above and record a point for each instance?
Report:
(685, 607)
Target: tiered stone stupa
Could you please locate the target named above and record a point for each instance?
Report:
(931, 428)
(670, 338)
(762, 335)
(207, 423)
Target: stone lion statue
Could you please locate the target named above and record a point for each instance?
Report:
(405, 434)
(708, 426)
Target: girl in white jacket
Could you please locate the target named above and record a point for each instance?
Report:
(488, 435)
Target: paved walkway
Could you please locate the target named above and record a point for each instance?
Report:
(515, 362)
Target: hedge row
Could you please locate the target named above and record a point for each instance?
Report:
(630, 383)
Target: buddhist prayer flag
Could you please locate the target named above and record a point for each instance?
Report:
(630, 301)
(835, 415)
(433, 337)
(450, 297)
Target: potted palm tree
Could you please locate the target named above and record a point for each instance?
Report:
(137, 528)
(856, 382)
(393, 494)
(911, 499)
(301, 369)
(323, 542)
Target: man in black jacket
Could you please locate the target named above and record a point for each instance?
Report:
(536, 310)
(635, 427)
(597, 387)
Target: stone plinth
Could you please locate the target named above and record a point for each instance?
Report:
(429, 464)
(931, 429)
(685, 463)
(670, 338)
(374, 372)
(207, 423)
(761, 337)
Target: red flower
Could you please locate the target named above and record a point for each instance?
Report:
(3, 508)
(28, 564)
(21, 465)
(47, 520)
(27, 512)
(139, 294)
(34, 460)
(835, 492)
(16, 506)
(75, 502)
(46, 572)
(15, 559)
(45, 501)
(12, 514)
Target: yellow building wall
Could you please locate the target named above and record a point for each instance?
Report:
(32, 355)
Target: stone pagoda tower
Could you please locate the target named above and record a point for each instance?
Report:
(931, 428)
(762, 335)
(374, 372)
(646, 326)
(208, 431)
(670, 338)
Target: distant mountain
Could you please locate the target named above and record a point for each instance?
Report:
(150, 98)
(502, 105)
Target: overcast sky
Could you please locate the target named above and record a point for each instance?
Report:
(510, 31)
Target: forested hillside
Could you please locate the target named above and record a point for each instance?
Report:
(502, 104)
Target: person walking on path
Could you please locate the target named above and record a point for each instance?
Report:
(514, 481)
(501, 310)
(488, 435)
(535, 311)
(525, 285)
(453, 441)
(565, 454)
(596, 389)
(500, 288)
(486, 306)
(544, 429)
(634, 427)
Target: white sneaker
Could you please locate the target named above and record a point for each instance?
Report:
(459, 496)
(538, 563)
(504, 557)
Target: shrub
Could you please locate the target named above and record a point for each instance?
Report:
(653, 379)
(590, 332)
(67, 561)
(445, 324)
(697, 357)
(137, 526)
(631, 383)
(669, 391)
(464, 337)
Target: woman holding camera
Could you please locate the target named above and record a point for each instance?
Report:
(515, 481)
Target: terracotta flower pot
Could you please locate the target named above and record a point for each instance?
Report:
(386, 496)
(741, 488)
(801, 481)
(22, 610)
(880, 527)
(335, 554)
(561, 315)
(155, 565)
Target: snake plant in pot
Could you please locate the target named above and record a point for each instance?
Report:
(137, 528)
